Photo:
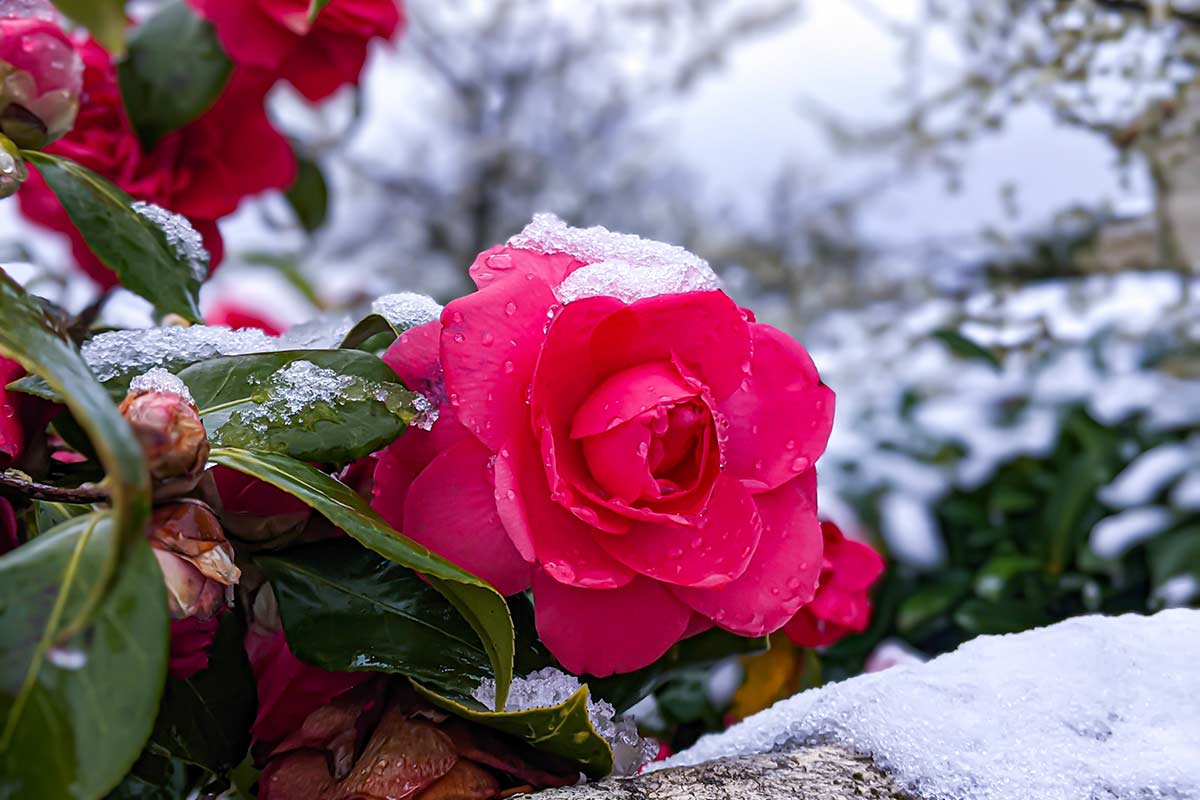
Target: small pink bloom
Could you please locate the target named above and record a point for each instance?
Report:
(842, 604)
(645, 464)
(41, 76)
(238, 317)
(191, 639)
(316, 57)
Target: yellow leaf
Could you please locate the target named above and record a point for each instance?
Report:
(770, 676)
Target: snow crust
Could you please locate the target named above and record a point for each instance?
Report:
(1093, 708)
(550, 687)
(185, 241)
(619, 265)
(114, 353)
(406, 310)
(159, 380)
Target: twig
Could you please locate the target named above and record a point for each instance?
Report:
(11, 485)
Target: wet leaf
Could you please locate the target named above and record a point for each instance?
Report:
(128, 243)
(563, 730)
(77, 712)
(480, 604)
(243, 407)
(104, 19)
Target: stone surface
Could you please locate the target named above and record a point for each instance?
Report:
(807, 773)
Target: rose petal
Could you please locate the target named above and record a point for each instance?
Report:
(503, 262)
(712, 553)
(402, 758)
(562, 544)
(399, 464)
(247, 33)
(783, 573)
(414, 358)
(303, 773)
(601, 632)
(626, 395)
(617, 461)
(855, 565)
(490, 343)
(780, 417)
(451, 509)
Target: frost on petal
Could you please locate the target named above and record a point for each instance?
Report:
(406, 310)
(184, 240)
(550, 687)
(619, 265)
(1091, 707)
(161, 381)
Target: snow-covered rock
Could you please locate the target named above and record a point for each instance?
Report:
(1094, 707)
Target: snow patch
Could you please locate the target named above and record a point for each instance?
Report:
(1112, 536)
(550, 687)
(115, 353)
(619, 265)
(159, 380)
(405, 310)
(1093, 707)
(184, 240)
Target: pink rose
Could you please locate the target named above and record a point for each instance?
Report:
(41, 77)
(316, 57)
(842, 604)
(191, 639)
(202, 171)
(647, 455)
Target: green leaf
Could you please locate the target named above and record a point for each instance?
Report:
(45, 515)
(128, 243)
(242, 406)
(963, 347)
(314, 8)
(309, 195)
(345, 608)
(174, 71)
(367, 328)
(156, 777)
(205, 720)
(993, 576)
(563, 730)
(79, 709)
(104, 19)
(475, 600)
(933, 601)
(693, 653)
(1175, 553)
(986, 617)
(30, 337)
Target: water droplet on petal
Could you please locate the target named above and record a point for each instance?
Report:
(487, 339)
(508, 367)
(510, 308)
(458, 337)
(674, 552)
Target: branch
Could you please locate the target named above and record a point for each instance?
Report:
(18, 487)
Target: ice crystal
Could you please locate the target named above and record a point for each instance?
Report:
(292, 390)
(1091, 707)
(620, 265)
(184, 240)
(427, 413)
(407, 309)
(551, 687)
(115, 353)
(159, 380)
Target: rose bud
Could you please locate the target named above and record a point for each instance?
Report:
(195, 558)
(13, 171)
(167, 424)
(41, 75)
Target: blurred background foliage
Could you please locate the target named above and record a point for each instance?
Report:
(983, 218)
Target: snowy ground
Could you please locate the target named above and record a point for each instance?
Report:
(1090, 708)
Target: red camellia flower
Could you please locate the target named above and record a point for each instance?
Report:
(842, 604)
(619, 434)
(238, 317)
(201, 171)
(317, 57)
(40, 80)
(23, 418)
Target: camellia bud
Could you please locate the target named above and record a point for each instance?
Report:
(13, 171)
(167, 423)
(41, 74)
(195, 558)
